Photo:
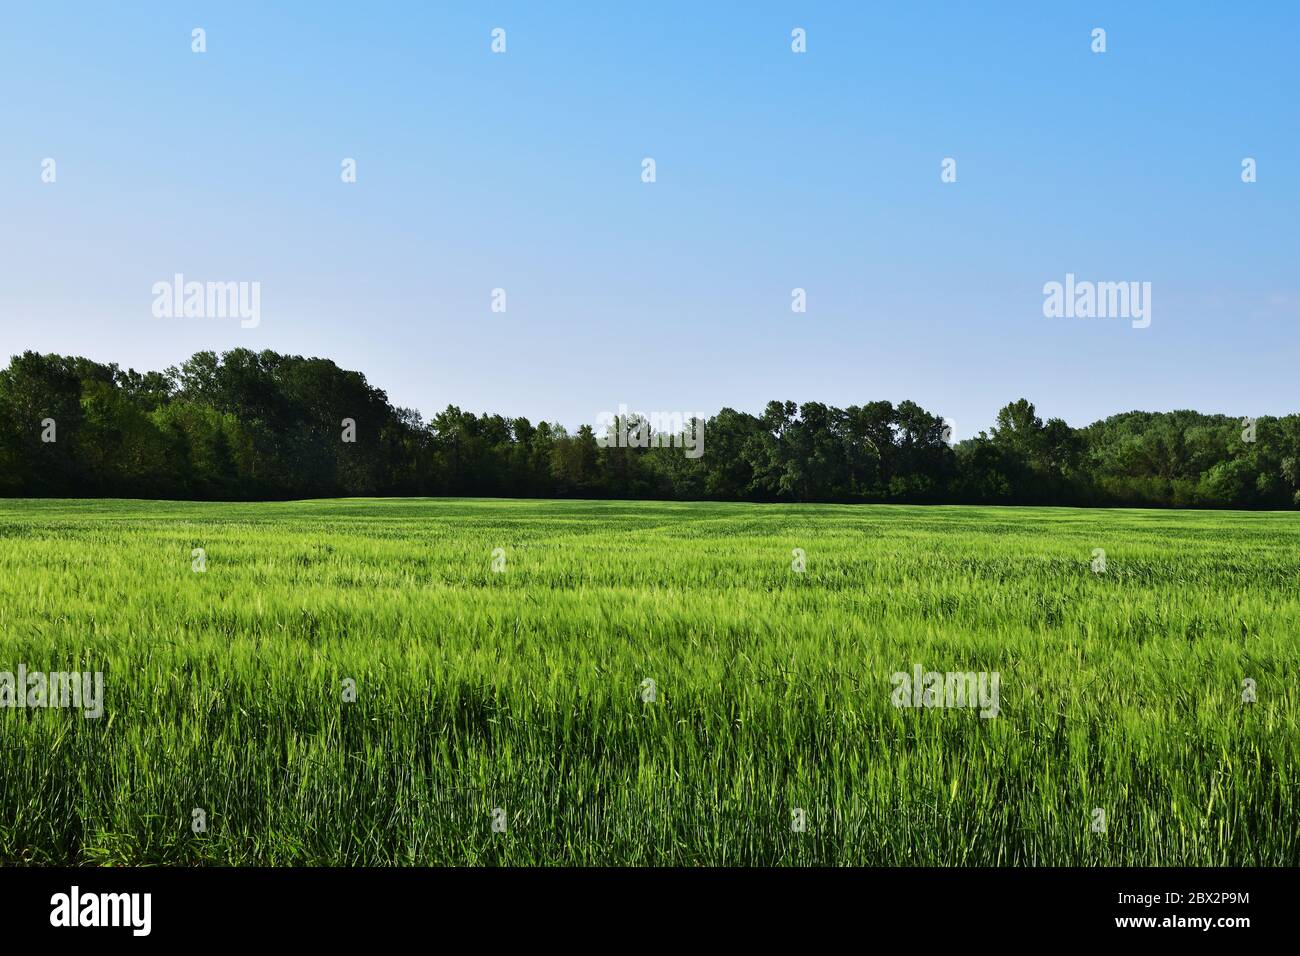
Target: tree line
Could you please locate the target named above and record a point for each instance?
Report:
(247, 425)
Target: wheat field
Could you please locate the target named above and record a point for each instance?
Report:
(484, 682)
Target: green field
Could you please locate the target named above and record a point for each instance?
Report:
(517, 697)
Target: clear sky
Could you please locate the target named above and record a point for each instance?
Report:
(775, 170)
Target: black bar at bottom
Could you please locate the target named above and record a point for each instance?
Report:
(334, 905)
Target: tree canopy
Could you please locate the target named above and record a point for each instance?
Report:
(260, 425)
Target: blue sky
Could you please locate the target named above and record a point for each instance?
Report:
(774, 171)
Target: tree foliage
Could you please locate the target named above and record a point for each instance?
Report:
(259, 425)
